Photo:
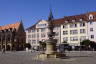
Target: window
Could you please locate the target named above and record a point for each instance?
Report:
(29, 31)
(33, 41)
(82, 31)
(29, 41)
(66, 21)
(73, 32)
(91, 29)
(29, 36)
(65, 39)
(80, 19)
(74, 38)
(82, 24)
(56, 28)
(92, 36)
(90, 16)
(37, 40)
(65, 26)
(56, 33)
(37, 35)
(91, 23)
(43, 35)
(42, 25)
(73, 25)
(73, 20)
(82, 38)
(65, 32)
(37, 30)
(43, 29)
(33, 35)
(33, 30)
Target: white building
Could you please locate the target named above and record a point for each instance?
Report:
(39, 32)
(72, 29)
(77, 28)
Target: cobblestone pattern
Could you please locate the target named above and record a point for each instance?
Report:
(74, 57)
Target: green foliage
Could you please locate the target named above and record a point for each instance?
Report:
(64, 42)
(85, 42)
(27, 45)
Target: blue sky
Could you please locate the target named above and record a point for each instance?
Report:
(30, 11)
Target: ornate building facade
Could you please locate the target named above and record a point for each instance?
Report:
(12, 36)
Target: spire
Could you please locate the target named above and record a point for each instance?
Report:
(21, 21)
(50, 17)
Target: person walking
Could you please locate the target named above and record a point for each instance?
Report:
(3, 50)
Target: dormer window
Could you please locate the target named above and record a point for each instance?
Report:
(73, 20)
(80, 19)
(66, 21)
(90, 17)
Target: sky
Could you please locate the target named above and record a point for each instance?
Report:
(30, 11)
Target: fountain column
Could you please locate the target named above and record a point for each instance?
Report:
(51, 42)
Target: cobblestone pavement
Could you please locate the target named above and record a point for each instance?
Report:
(74, 57)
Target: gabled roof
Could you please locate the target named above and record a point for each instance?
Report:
(8, 26)
(34, 26)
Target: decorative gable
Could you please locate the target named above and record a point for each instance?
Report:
(42, 24)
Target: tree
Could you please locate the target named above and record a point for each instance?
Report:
(64, 42)
(89, 44)
(93, 45)
(27, 45)
(85, 42)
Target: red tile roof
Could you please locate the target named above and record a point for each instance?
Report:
(84, 17)
(16, 25)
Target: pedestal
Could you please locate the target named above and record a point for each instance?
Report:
(50, 46)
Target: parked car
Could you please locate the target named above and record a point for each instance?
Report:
(64, 47)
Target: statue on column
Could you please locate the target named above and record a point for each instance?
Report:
(51, 42)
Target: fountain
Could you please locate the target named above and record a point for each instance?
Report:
(51, 51)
